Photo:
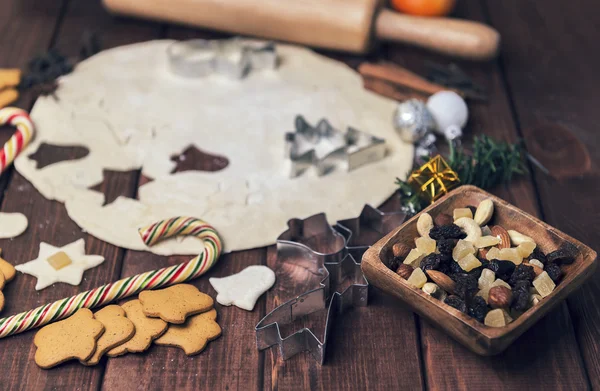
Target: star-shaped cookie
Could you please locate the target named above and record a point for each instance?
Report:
(194, 334)
(71, 273)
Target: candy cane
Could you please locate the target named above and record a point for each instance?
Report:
(128, 286)
(13, 147)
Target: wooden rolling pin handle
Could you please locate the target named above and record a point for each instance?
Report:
(459, 38)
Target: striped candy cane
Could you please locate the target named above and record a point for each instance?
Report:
(128, 286)
(13, 147)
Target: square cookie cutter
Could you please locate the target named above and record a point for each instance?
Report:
(334, 266)
(325, 147)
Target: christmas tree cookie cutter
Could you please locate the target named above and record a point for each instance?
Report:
(334, 266)
(325, 147)
(233, 58)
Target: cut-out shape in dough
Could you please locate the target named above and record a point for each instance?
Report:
(114, 182)
(244, 288)
(48, 154)
(12, 225)
(70, 274)
(194, 159)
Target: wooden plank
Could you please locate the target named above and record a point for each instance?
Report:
(49, 221)
(551, 66)
(448, 365)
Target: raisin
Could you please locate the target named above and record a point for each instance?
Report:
(451, 231)
(562, 256)
(456, 302)
(476, 273)
(430, 262)
(455, 268)
(503, 269)
(445, 262)
(539, 255)
(484, 262)
(446, 245)
(553, 271)
(466, 285)
(478, 309)
(522, 273)
(521, 295)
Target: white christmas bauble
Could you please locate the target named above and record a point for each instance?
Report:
(449, 111)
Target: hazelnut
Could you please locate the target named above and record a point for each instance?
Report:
(499, 297)
(405, 271)
(443, 219)
(400, 250)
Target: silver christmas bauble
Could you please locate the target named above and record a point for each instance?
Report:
(412, 120)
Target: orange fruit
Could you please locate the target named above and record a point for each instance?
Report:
(424, 7)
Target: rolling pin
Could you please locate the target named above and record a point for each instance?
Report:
(345, 25)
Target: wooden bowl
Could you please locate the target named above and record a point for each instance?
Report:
(474, 335)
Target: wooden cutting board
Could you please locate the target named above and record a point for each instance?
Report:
(347, 25)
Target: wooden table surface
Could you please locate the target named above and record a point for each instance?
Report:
(549, 72)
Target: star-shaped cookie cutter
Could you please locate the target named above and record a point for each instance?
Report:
(233, 57)
(326, 147)
(334, 266)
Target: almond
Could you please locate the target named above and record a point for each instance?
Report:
(400, 250)
(443, 219)
(443, 281)
(483, 252)
(503, 235)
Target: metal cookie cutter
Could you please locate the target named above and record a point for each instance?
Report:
(334, 266)
(325, 147)
(233, 57)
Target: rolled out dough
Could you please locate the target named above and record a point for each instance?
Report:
(125, 106)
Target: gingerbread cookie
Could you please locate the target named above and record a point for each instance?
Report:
(2, 281)
(174, 304)
(117, 330)
(146, 330)
(72, 338)
(194, 334)
(1, 301)
(7, 269)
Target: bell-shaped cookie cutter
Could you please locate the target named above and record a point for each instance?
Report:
(334, 266)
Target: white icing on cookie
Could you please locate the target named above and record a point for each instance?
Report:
(244, 288)
(12, 225)
(71, 274)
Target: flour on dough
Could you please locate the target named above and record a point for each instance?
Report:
(244, 288)
(12, 225)
(130, 112)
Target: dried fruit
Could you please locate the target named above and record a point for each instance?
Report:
(562, 256)
(462, 249)
(544, 284)
(535, 262)
(425, 245)
(417, 278)
(497, 318)
(405, 271)
(414, 258)
(456, 302)
(486, 279)
(499, 297)
(517, 238)
(469, 262)
(470, 227)
(553, 271)
(433, 290)
(451, 231)
(521, 294)
(536, 269)
(424, 224)
(443, 281)
(522, 273)
(443, 219)
(492, 254)
(462, 212)
(484, 212)
(510, 254)
(400, 250)
(525, 249)
(466, 285)
(503, 269)
(539, 255)
(430, 262)
(477, 308)
(487, 241)
(501, 233)
(445, 246)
